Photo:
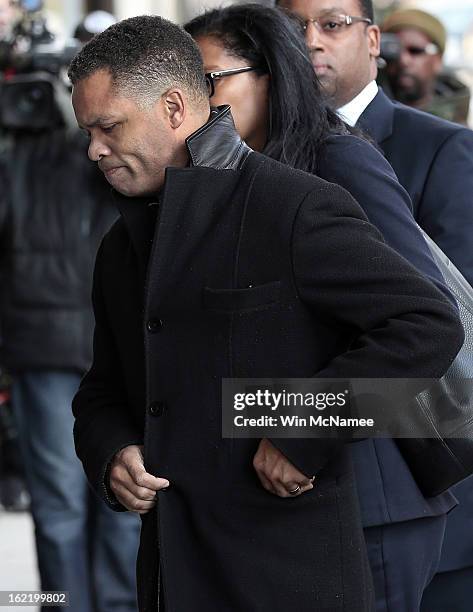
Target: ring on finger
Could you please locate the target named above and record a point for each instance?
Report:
(295, 491)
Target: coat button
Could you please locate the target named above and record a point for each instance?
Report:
(156, 409)
(154, 325)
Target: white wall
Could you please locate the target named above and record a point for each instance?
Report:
(170, 9)
(175, 10)
(65, 14)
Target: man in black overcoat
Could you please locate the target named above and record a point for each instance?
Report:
(227, 264)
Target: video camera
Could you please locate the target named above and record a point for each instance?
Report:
(33, 64)
(390, 47)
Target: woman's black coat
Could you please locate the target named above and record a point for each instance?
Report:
(256, 270)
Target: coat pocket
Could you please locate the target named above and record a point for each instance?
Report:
(235, 300)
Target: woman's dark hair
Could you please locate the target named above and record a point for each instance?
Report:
(273, 42)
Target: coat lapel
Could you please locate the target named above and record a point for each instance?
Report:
(378, 118)
(197, 207)
(135, 216)
(200, 207)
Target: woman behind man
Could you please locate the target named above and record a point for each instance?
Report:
(256, 60)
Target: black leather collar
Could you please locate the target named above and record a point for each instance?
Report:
(217, 144)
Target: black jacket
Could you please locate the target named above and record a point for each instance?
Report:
(256, 270)
(55, 208)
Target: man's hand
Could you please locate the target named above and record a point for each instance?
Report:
(131, 483)
(277, 474)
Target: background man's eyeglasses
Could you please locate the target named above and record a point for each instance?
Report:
(430, 49)
(215, 75)
(334, 24)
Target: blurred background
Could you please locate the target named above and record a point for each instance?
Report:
(456, 15)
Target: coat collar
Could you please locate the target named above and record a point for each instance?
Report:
(217, 144)
(377, 120)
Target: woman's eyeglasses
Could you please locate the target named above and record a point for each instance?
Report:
(215, 75)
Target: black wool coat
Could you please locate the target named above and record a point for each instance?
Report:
(256, 270)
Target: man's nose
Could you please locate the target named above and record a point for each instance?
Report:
(405, 58)
(97, 150)
(313, 36)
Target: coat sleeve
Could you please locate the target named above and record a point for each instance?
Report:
(358, 167)
(3, 204)
(344, 272)
(102, 423)
(3, 229)
(445, 211)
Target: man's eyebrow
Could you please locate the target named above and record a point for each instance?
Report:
(99, 121)
(333, 10)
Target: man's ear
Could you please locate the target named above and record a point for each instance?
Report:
(374, 40)
(175, 107)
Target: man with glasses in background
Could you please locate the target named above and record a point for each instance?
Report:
(416, 77)
(433, 160)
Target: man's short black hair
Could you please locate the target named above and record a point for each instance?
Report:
(145, 56)
(366, 8)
